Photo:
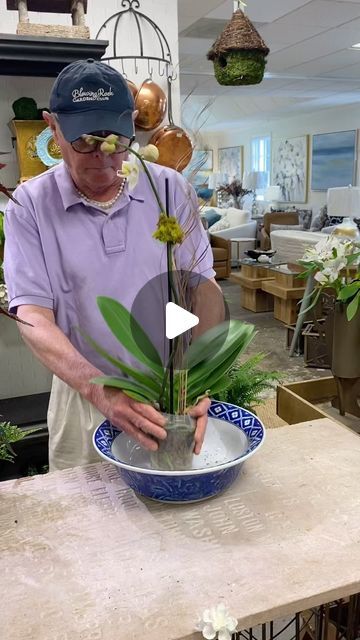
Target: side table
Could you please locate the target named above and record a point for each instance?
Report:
(242, 245)
(251, 280)
(287, 289)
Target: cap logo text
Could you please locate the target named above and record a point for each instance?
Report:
(79, 95)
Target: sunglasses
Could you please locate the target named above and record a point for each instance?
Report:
(80, 145)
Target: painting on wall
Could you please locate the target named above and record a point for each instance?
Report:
(290, 167)
(333, 160)
(230, 163)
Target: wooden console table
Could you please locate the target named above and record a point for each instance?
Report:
(81, 556)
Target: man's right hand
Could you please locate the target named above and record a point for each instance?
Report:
(140, 421)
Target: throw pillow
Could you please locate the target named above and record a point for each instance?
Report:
(285, 227)
(331, 221)
(237, 217)
(211, 216)
(305, 216)
(319, 221)
(204, 193)
(222, 224)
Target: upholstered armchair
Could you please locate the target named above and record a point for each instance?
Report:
(221, 249)
(276, 217)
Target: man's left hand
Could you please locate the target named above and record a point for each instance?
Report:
(200, 412)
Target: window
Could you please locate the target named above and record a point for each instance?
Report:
(261, 159)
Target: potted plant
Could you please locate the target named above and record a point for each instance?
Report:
(236, 191)
(334, 263)
(192, 373)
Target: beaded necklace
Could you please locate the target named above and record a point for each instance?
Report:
(103, 205)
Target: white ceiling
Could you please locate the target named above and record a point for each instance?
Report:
(310, 65)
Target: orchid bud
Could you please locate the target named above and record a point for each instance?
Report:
(112, 138)
(107, 147)
(89, 140)
(150, 152)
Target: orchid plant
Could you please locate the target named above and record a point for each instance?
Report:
(206, 370)
(334, 263)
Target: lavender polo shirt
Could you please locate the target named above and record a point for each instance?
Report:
(61, 252)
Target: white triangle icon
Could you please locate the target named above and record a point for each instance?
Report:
(178, 320)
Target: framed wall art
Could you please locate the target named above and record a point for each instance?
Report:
(333, 160)
(290, 167)
(230, 163)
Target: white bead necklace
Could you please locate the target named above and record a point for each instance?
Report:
(103, 205)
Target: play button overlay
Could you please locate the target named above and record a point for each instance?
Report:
(178, 320)
(166, 321)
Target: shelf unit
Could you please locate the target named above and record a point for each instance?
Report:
(42, 56)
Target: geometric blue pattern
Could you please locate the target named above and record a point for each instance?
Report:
(175, 487)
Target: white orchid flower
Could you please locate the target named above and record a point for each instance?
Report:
(130, 170)
(321, 277)
(217, 623)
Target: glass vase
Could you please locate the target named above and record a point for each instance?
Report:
(176, 451)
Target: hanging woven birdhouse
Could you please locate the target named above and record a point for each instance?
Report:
(239, 53)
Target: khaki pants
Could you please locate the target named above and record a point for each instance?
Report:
(71, 422)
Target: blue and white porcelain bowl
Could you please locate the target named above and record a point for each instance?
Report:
(232, 436)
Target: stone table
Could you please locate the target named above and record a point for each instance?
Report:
(83, 558)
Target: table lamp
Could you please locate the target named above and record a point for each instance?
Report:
(344, 202)
(255, 180)
(273, 196)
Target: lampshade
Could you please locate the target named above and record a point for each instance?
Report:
(344, 202)
(273, 193)
(255, 180)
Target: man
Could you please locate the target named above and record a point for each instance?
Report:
(80, 232)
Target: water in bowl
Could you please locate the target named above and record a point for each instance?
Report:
(223, 443)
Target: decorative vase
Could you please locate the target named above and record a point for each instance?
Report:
(346, 360)
(176, 451)
(26, 132)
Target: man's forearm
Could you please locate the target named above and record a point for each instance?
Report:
(50, 345)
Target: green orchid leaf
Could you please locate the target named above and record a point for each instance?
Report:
(127, 386)
(209, 380)
(352, 307)
(315, 295)
(214, 340)
(124, 327)
(352, 258)
(208, 343)
(349, 291)
(143, 378)
(209, 371)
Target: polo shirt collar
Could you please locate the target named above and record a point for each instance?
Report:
(70, 196)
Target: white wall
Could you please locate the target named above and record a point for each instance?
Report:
(164, 14)
(326, 121)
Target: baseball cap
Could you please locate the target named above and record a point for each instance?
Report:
(88, 96)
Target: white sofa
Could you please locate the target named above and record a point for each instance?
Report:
(290, 245)
(237, 223)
